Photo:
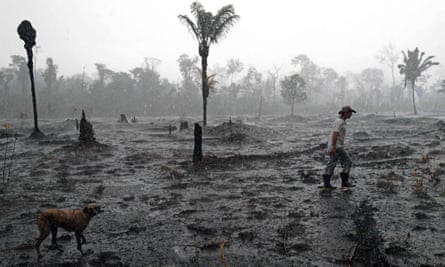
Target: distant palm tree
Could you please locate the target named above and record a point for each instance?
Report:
(207, 30)
(413, 66)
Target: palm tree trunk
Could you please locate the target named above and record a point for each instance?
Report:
(205, 92)
(412, 96)
(204, 109)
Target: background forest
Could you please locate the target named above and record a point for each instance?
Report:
(234, 89)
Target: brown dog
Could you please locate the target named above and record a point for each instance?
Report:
(71, 220)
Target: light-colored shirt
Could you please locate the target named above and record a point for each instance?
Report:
(339, 126)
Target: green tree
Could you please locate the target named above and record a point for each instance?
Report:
(207, 30)
(414, 64)
(293, 90)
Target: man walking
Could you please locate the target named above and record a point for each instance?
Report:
(336, 150)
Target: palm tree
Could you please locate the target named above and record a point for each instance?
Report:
(28, 34)
(413, 66)
(207, 30)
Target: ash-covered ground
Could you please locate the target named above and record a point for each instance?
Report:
(254, 201)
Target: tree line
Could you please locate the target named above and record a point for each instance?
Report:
(236, 89)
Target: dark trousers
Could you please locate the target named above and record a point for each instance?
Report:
(345, 161)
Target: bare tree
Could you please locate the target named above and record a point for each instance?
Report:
(273, 75)
(389, 56)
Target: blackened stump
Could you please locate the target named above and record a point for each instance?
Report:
(86, 135)
(197, 152)
(183, 125)
(123, 119)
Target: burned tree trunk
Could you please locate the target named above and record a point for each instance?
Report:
(197, 151)
(28, 34)
(86, 136)
(123, 119)
(183, 125)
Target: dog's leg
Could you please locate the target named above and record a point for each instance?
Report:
(79, 244)
(54, 238)
(84, 241)
(42, 223)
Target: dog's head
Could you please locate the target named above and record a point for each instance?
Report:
(92, 210)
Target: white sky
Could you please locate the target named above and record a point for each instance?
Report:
(342, 34)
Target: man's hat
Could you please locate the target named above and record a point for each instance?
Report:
(347, 109)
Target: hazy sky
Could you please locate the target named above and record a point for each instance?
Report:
(342, 34)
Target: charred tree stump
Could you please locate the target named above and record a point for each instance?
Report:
(86, 136)
(183, 125)
(197, 151)
(123, 119)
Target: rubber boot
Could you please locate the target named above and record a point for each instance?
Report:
(327, 182)
(344, 180)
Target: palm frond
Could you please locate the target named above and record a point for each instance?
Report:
(404, 54)
(196, 8)
(222, 14)
(222, 29)
(224, 19)
(211, 81)
(190, 25)
(427, 65)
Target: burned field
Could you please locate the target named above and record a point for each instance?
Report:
(253, 201)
